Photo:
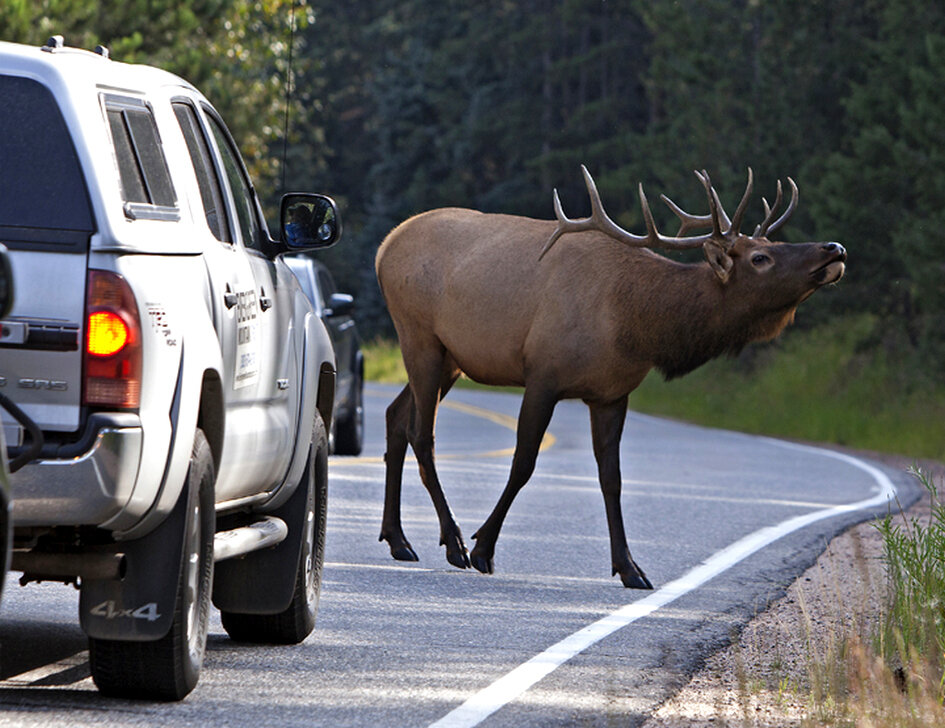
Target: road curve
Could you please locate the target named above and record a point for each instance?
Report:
(721, 523)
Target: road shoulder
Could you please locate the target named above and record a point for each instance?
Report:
(765, 677)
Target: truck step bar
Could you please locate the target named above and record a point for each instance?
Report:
(268, 531)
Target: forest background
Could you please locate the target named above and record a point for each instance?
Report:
(399, 106)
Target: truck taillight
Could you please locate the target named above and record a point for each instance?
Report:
(112, 343)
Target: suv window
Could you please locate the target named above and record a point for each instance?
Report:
(44, 203)
(210, 192)
(242, 191)
(145, 181)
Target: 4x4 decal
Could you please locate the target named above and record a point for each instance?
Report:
(111, 610)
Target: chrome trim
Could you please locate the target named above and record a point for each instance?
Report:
(86, 490)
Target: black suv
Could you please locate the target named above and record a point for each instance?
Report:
(336, 311)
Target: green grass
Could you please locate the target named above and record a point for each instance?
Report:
(830, 384)
(914, 552)
(382, 362)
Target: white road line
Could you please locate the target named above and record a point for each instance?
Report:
(507, 688)
(45, 671)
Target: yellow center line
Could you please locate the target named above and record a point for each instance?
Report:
(498, 418)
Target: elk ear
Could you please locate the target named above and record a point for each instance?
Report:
(720, 261)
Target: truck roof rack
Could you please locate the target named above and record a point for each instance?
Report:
(55, 43)
(58, 43)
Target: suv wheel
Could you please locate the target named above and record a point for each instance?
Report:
(297, 621)
(168, 668)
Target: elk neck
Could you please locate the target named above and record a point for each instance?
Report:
(680, 316)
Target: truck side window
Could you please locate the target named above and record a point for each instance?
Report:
(242, 191)
(210, 192)
(145, 181)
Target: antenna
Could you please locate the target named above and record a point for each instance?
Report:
(288, 95)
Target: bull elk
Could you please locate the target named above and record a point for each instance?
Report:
(493, 296)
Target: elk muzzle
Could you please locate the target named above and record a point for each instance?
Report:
(833, 268)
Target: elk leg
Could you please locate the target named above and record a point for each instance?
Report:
(427, 392)
(607, 422)
(533, 419)
(400, 414)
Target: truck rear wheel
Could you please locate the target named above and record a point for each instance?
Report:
(297, 621)
(168, 668)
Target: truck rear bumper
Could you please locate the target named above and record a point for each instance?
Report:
(89, 487)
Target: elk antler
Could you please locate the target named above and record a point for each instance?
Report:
(599, 220)
(731, 227)
(769, 228)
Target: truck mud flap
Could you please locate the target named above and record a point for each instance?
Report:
(262, 582)
(139, 606)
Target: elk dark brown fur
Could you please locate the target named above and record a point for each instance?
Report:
(506, 301)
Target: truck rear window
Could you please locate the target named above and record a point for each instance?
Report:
(44, 203)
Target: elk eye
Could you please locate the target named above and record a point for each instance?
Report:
(761, 259)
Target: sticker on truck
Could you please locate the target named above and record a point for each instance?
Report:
(247, 339)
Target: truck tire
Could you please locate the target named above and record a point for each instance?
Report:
(168, 668)
(349, 432)
(297, 621)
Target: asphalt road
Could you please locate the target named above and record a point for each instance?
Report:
(720, 522)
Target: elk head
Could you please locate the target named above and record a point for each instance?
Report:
(791, 272)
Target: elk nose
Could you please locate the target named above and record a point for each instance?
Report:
(835, 249)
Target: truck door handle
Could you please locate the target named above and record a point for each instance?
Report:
(265, 303)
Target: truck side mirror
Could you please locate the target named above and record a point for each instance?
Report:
(6, 283)
(309, 221)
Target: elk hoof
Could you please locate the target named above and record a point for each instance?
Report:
(400, 548)
(633, 577)
(456, 552)
(404, 553)
(481, 563)
(459, 559)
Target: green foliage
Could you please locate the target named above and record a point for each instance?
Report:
(884, 186)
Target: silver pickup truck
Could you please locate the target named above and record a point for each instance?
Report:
(180, 382)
